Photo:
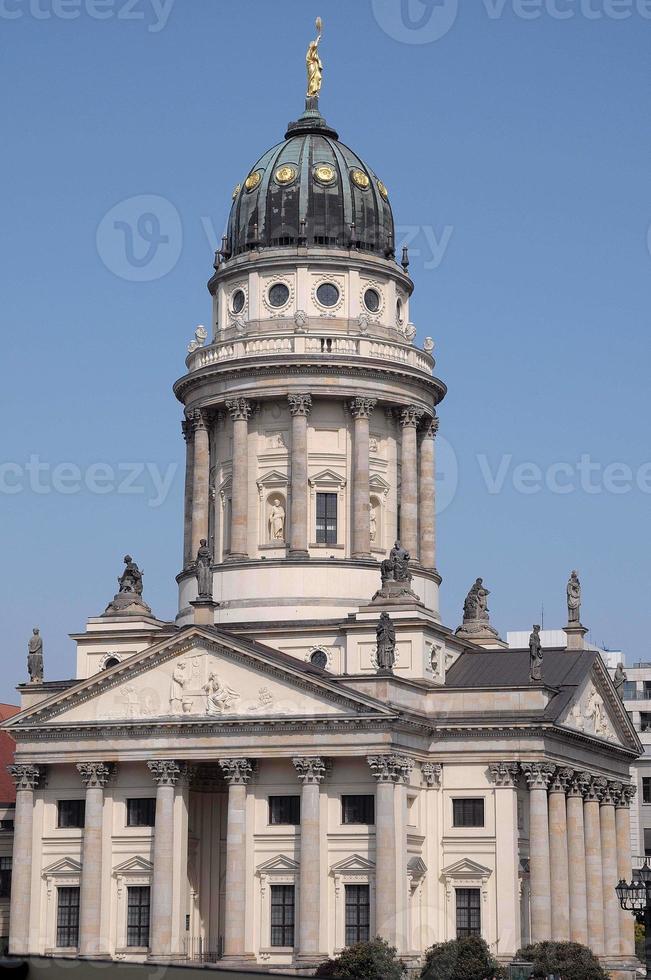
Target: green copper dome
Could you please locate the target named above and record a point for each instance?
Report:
(311, 190)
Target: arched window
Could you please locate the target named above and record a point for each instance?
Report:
(319, 658)
(111, 662)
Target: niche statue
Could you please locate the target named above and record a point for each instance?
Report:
(386, 645)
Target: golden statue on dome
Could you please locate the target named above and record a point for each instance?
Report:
(314, 65)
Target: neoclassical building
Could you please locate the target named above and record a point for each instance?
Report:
(280, 771)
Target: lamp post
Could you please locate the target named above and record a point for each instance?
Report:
(636, 897)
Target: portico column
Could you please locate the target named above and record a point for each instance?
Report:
(27, 779)
(95, 776)
(558, 855)
(612, 907)
(299, 409)
(311, 773)
(391, 772)
(165, 773)
(200, 479)
(238, 774)
(427, 494)
(409, 419)
(240, 412)
(576, 858)
(361, 409)
(188, 435)
(593, 871)
(538, 776)
(505, 777)
(624, 865)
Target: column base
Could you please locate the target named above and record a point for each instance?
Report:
(235, 557)
(243, 961)
(298, 555)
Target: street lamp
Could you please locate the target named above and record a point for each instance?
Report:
(636, 897)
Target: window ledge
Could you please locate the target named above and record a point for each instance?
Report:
(324, 547)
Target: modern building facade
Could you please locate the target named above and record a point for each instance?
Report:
(269, 777)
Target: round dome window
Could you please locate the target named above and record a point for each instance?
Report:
(320, 659)
(237, 301)
(372, 300)
(278, 295)
(327, 294)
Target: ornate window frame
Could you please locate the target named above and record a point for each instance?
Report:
(271, 483)
(354, 870)
(340, 283)
(235, 287)
(379, 491)
(278, 312)
(279, 870)
(64, 873)
(379, 288)
(465, 874)
(137, 871)
(328, 481)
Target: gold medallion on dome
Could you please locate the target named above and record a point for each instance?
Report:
(325, 174)
(253, 180)
(237, 191)
(360, 179)
(382, 189)
(285, 175)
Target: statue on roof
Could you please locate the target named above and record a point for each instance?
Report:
(535, 656)
(314, 64)
(128, 599)
(131, 578)
(204, 571)
(574, 599)
(619, 679)
(475, 606)
(35, 657)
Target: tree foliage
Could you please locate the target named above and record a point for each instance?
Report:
(569, 960)
(460, 959)
(375, 960)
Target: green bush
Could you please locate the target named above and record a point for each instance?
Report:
(461, 959)
(365, 961)
(569, 960)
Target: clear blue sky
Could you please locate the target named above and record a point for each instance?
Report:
(521, 144)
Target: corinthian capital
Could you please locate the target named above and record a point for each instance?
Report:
(239, 409)
(579, 783)
(197, 420)
(310, 769)
(410, 416)
(538, 774)
(390, 768)
(299, 405)
(237, 772)
(362, 408)
(624, 797)
(431, 772)
(596, 789)
(561, 780)
(431, 426)
(26, 776)
(165, 772)
(94, 775)
(504, 774)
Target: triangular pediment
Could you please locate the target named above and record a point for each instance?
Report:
(134, 866)
(64, 866)
(416, 866)
(596, 710)
(351, 864)
(465, 868)
(278, 865)
(327, 478)
(202, 675)
(274, 478)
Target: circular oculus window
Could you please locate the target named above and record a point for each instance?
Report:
(253, 180)
(327, 294)
(320, 659)
(360, 179)
(325, 174)
(372, 300)
(285, 175)
(383, 190)
(238, 299)
(278, 295)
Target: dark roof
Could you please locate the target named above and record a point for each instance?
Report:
(292, 206)
(510, 668)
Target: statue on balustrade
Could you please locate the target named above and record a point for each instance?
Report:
(535, 656)
(619, 679)
(574, 599)
(35, 657)
(204, 571)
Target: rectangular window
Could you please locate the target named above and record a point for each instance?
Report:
(326, 518)
(358, 809)
(468, 813)
(630, 690)
(5, 877)
(285, 810)
(647, 689)
(282, 915)
(6, 824)
(71, 813)
(468, 912)
(358, 914)
(138, 917)
(646, 789)
(67, 918)
(141, 812)
(645, 721)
